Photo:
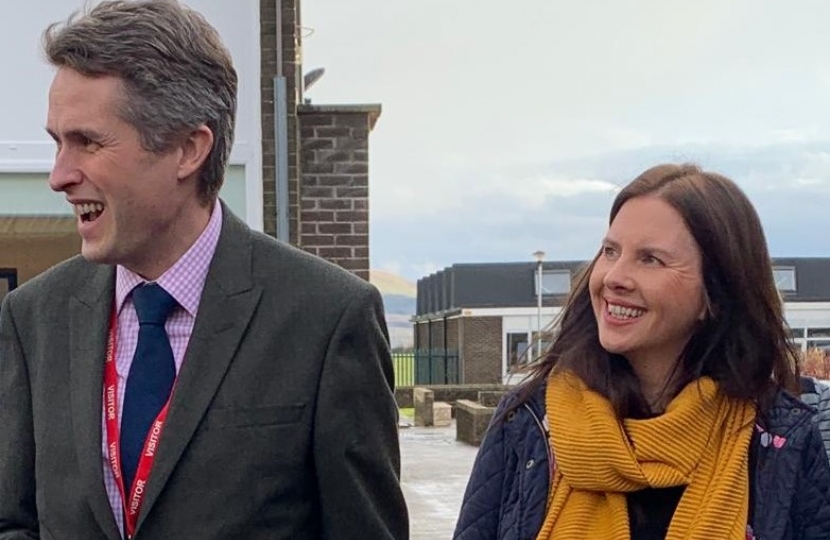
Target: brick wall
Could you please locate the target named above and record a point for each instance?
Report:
(454, 334)
(421, 331)
(291, 68)
(436, 330)
(334, 190)
(481, 349)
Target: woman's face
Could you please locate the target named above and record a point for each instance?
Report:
(647, 287)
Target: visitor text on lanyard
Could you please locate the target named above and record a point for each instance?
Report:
(132, 503)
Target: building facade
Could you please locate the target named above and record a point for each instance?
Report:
(490, 315)
(297, 171)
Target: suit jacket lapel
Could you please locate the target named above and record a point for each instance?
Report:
(89, 313)
(226, 307)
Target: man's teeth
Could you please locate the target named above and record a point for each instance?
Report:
(88, 208)
(621, 312)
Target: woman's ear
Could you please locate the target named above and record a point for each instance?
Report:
(195, 149)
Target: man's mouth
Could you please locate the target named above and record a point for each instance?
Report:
(89, 211)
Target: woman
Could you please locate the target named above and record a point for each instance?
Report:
(661, 409)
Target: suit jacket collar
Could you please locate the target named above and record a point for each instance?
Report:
(228, 302)
(89, 316)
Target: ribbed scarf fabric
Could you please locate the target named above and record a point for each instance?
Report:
(701, 441)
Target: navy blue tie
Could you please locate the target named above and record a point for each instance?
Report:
(151, 377)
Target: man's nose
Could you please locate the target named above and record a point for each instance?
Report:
(64, 172)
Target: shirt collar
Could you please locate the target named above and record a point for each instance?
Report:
(185, 280)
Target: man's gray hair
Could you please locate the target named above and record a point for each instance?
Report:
(176, 73)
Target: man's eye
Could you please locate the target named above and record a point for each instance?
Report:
(89, 144)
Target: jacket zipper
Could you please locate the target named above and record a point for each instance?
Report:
(546, 438)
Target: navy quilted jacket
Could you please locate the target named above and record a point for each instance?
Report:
(508, 489)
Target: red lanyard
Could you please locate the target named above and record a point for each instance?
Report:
(131, 505)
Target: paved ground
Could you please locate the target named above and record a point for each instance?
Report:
(434, 472)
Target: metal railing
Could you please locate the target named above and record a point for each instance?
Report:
(425, 367)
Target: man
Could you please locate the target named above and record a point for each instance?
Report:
(184, 377)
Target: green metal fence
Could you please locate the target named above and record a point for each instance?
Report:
(424, 367)
(404, 364)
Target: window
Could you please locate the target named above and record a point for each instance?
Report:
(537, 346)
(784, 278)
(817, 338)
(517, 353)
(553, 282)
(8, 281)
(797, 333)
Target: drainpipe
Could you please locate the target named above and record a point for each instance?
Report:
(281, 137)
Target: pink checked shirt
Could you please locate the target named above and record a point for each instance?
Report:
(185, 281)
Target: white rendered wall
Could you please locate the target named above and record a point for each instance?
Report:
(26, 152)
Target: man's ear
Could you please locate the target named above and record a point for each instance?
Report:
(195, 149)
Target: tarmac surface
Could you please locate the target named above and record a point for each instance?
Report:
(434, 473)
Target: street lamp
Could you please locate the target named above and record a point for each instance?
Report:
(539, 256)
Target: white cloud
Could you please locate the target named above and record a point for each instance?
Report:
(808, 181)
(536, 192)
(794, 135)
(627, 138)
(505, 217)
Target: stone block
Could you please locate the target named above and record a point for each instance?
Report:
(472, 420)
(423, 399)
(441, 414)
(490, 398)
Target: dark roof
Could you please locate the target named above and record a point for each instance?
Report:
(512, 284)
(812, 278)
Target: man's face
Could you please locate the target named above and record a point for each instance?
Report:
(126, 199)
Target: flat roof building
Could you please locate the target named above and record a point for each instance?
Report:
(488, 315)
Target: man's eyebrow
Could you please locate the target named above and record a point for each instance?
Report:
(80, 133)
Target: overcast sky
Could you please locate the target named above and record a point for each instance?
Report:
(507, 127)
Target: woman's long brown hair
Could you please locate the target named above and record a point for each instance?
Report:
(743, 345)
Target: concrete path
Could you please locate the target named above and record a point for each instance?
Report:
(434, 473)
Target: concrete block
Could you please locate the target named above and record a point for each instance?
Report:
(472, 420)
(423, 401)
(490, 398)
(441, 414)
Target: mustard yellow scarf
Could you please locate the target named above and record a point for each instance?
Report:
(701, 441)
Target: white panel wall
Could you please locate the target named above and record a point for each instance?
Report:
(807, 315)
(28, 194)
(25, 147)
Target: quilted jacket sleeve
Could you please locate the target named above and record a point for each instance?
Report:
(812, 501)
(481, 507)
(823, 416)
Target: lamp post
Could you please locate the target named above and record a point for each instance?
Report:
(539, 256)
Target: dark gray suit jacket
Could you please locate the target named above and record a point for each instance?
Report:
(283, 424)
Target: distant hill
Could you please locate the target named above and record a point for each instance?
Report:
(389, 283)
(399, 296)
(398, 304)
